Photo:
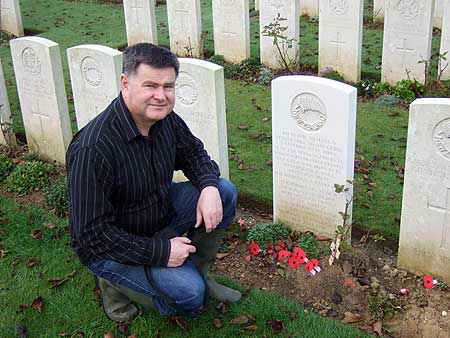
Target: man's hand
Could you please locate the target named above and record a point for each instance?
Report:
(179, 251)
(209, 208)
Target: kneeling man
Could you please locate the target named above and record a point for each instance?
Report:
(148, 240)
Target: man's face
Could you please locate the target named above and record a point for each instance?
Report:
(149, 93)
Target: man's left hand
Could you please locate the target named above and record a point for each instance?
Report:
(209, 208)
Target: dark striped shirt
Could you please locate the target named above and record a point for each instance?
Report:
(119, 181)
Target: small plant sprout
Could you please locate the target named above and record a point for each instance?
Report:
(276, 31)
(343, 230)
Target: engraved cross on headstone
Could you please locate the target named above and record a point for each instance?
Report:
(446, 222)
(339, 44)
(404, 50)
(36, 111)
(136, 7)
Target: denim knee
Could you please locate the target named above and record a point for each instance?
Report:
(191, 296)
(228, 194)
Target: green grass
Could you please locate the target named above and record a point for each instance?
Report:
(71, 23)
(72, 307)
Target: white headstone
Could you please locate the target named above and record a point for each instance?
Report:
(445, 42)
(256, 5)
(406, 40)
(11, 17)
(378, 10)
(95, 76)
(231, 29)
(289, 10)
(185, 27)
(200, 101)
(340, 37)
(313, 132)
(6, 135)
(425, 223)
(309, 7)
(42, 95)
(140, 21)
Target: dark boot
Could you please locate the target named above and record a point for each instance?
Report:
(137, 297)
(207, 245)
(116, 305)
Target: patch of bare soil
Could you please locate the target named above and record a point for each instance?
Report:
(363, 288)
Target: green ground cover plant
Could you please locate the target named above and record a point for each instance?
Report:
(381, 130)
(6, 166)
(29, 176)
(45, 291)
(56, 196)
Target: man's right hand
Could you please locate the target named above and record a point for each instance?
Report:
(179, 251)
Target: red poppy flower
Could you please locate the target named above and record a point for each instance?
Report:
(254, 248)
(280, 246)
(309, 267)
(428, 282)
(283, 254)
(316, 263)
(294, 262)
(300, 254)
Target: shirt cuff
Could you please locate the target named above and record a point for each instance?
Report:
(211, 181)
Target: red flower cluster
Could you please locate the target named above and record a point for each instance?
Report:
(429, 282)
(254, 248)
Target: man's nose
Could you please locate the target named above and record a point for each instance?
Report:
(159, 93)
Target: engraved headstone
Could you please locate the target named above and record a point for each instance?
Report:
(340, 37)
(445, 42)
(140, 21)
(438, 13)
(313, 133)
(200, 101)
(268, 12)
(185, 27)
(378, 10)
(42, 95)
(256, 5)
(95, 76)
(231, 29)
(425, 223)
(406, 40)
(6, 135)
(309, 7)
(11, 17)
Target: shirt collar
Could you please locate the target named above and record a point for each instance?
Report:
(128, 126)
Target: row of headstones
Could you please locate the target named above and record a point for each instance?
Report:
(407, 33)
(313, 132)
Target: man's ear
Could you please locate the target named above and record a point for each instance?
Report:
(124, 81)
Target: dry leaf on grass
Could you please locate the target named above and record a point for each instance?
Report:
(350, 318)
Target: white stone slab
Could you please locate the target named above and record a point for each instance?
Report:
(313, 132)
(140, 21)
(378, 10)
(231, 29)
(340, 37)
(268, 11)
(185, 27)
(6, 135)
(200, 101)
(309, 7)
(42, 95)
(438, 13)
(445, 41)
(95, 76)
(425, 222)
(11, 17)
(406, 40)
(256, 5)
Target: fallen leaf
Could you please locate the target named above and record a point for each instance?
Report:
(23, 307)
(269, 163)
(321, 238)
(123, 327)
(38, 304)
(217, 323)
(240, 320)
(132, 336)
(276, 325)
(222, 307)
(221, 255)
(265, 119)
(350, 318)
(50, 225)
(57, 282)
(378, 327)
(180, 322)
(108, 334)
(36, 234)
(63, 334)
(243, 126)
(3, 253)
(350, 283)
(252, 328)
(32, 262)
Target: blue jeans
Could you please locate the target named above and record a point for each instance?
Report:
(184, 285)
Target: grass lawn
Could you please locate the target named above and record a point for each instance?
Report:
(381, 137)
(72, 307)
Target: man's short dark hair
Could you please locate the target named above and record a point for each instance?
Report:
(148, 54)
